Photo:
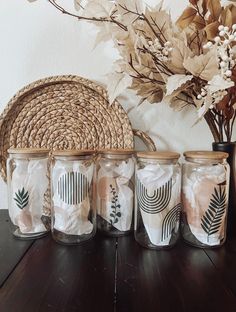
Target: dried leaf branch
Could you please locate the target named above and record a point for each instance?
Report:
(84, 18)
(188, 63)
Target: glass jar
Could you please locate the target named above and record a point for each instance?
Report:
(205, 198)
(28, 192)
(157, 204)
(115, 192)
(73, 211)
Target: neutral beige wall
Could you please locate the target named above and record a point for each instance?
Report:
(37, 41)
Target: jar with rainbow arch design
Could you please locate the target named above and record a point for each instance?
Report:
(157, 200)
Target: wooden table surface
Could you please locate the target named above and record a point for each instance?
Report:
(107, 274)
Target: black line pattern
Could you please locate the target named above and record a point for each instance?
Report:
(170, 221)
(73, 188)
(158, 201)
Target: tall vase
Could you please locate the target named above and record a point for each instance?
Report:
(230, 148)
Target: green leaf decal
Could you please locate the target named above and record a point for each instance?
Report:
(21, 198)
(213, 218)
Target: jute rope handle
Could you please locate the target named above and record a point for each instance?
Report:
(146, 139)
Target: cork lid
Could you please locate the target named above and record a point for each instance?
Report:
(29, 151)
(116, 152)
(205, 155)
(159, 155)
(68, 153)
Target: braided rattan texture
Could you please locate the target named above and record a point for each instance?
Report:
(146, 139)
(63, 112)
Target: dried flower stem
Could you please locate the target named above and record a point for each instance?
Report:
(198, 10)
(209, 117)
(220, 122)
(142, 76)
(79, 17)
(232, 126)
(168, 72)
(151, 27)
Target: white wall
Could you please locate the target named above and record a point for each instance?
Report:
(37, 41)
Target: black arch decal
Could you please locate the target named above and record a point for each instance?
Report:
(170, 221)
(158, 201)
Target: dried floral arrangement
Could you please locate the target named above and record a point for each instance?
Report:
(188, 62)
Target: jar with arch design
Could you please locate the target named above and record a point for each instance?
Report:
(115, 192)
(72, 183)
(157, 200)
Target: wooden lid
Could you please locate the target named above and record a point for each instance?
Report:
(159, 155)
(116, 152)
(68, 153)
(29, 151)
(205, 155)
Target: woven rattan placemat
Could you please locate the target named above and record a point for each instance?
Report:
(63, 112)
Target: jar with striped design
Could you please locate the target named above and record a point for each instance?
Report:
(157, 200)
(115, 192)
(72, 181)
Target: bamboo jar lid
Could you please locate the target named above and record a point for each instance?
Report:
(205, 155)
(159, 155)
(116, 152)
(32, 152)
(73, 153)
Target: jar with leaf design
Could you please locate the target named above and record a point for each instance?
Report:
(157, 200)
(29, 192)
(115, 192)
(205, 198)
(73, 209)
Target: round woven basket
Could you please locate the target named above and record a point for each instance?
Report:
(64, 112)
